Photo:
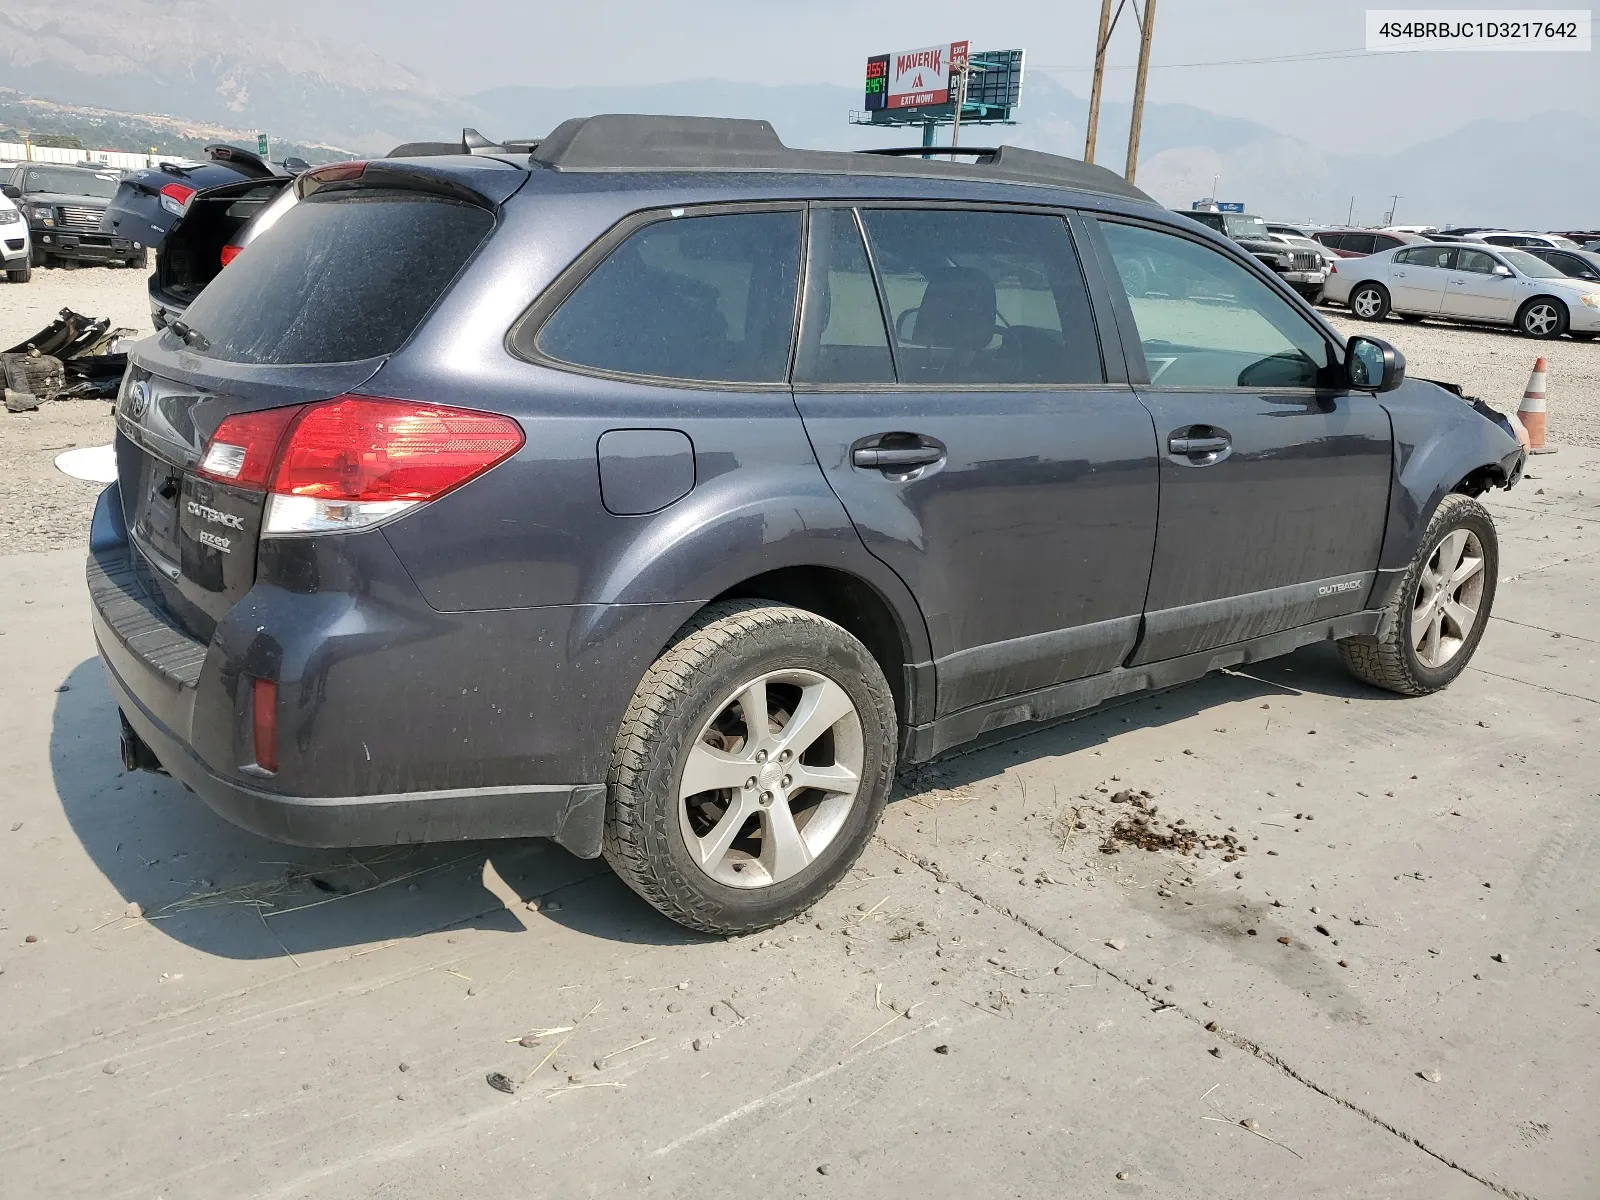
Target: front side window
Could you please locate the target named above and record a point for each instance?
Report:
(708, 297)
(1205, 321)
(983, 297)
(1478, 262)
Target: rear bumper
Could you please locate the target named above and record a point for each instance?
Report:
(396, 723)
(572, 814)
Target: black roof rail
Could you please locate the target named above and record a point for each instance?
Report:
(922, 151)
(621, 142)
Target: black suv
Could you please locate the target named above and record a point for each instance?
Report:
(63, 204)
(664, 489)
(1300, 269)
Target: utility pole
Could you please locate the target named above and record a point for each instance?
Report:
(1147, 28)
(1393, 203)
(1101, 42)
(1351, 214)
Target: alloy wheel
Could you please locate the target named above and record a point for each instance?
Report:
(1541, 320)
(771, 778)
(1449, 598)
(1367, 303)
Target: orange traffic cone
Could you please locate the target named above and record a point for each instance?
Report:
(1531, 411)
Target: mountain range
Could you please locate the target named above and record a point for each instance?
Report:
(207, 62)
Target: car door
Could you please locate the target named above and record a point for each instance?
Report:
(1574, 266)
(1475, 292)
(1274, 476)
(959, 404)
(1417, 278)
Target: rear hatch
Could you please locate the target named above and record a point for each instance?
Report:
(308, 311)
(149, 202)
(192, 254)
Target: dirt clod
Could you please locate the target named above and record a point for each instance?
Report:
(941, 1049)
(501, 1083)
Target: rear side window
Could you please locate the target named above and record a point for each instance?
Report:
(342, 276)
(844, 339)
(1358, 243)
(1440, 257)
(983, 297)
(1332, 241)
(700, 297)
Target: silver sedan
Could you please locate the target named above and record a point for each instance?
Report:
(1480, 284)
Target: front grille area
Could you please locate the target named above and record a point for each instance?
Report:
(78, 216)
(1304, 260)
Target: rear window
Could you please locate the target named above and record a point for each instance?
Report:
(342, 276)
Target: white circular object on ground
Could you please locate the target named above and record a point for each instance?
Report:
(97, 464)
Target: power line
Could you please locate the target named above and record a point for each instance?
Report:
(1308, 56)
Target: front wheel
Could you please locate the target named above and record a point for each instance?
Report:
(1436, 617)
(139, 261)
(751, 767)
(1543, 318)
(20, 274)
(1370, 301)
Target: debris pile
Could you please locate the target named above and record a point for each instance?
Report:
(71, 358)
(1141, 828)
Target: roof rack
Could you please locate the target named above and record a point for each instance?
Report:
(618, 142)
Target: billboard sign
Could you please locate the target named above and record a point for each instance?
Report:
(913, 78)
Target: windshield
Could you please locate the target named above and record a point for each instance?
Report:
(1565, 243)
(1247, 227)
(71, 181)
(1533, 268)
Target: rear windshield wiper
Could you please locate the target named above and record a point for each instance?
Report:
(192, 338)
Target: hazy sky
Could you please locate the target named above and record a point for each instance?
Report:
(1352, 103)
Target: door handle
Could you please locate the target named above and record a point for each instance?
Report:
(1198, 445)
(906, 452)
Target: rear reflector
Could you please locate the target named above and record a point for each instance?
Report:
(175, 198)
(244, 448)
(229, 253)
(264, 722)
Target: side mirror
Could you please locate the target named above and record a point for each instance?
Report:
(1502, 271)
(12, 191)
(1373, 365)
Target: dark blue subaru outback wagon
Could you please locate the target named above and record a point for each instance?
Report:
(658, 489)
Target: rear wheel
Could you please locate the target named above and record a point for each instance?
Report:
(1433, 623)
(751, 768)
(1370, 301)
(1542, 318)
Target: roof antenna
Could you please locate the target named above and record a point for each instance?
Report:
(473, 142)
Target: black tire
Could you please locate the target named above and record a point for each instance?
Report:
(1377, 310)
(20, 274)
(1543, 317)
(728, 644)
(1388, 658)
(139, 261)
(38, 257)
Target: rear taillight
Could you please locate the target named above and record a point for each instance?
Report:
(353, 461)
(175, 198)
(1333, 268)
(264, 722)
(229, 253)
(244, 449)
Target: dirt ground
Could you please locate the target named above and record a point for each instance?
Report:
(40, 508)
(1370, 974)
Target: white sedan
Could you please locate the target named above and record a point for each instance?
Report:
(1487, 285)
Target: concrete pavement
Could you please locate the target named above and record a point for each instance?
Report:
(289, 1023)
